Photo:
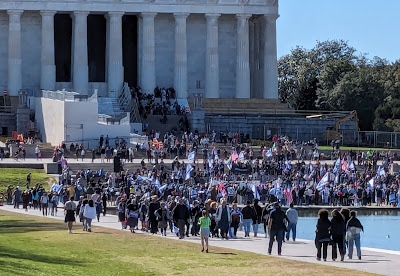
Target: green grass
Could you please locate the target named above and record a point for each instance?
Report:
(356, 148)
(41, 246)
(17, 177)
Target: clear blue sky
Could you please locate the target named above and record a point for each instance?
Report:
(370, 26)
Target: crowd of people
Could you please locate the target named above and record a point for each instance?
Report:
(216, 190)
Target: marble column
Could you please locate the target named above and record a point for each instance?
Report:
(243, 59)
(212, 57)
(149, 53)
(181, 68)
(80, 58)
(270, 58)
(48, 66)
(14, 52)
(115, 62)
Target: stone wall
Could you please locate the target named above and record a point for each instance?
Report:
(298, 128)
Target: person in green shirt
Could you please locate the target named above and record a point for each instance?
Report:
(204, 223)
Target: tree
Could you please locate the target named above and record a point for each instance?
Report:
(300, 72)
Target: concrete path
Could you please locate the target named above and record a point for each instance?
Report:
(378, 261)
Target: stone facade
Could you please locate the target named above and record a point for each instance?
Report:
(221, 48)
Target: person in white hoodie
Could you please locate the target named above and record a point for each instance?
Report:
(89, 213)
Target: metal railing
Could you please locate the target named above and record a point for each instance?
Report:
(121, 119)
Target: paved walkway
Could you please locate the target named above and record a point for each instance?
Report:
(378, 261)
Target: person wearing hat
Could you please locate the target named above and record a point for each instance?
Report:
(276, 225)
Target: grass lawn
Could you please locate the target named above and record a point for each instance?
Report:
(17, 177)
(356, 148)
(38, 246)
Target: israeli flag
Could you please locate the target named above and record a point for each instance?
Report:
(371, 183)
(189, 169)
(323, 182)
(229, 163)
(162, 188)
(255, 191)
(381, 171)
(352, 167)
(337, 164)
(191, 156)
(157, 183)
(210, 164)
(241, 156)
(269, 154)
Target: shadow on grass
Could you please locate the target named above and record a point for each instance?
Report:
(20, 255)
(25, 226)
(224, 253)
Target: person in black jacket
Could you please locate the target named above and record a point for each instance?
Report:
(180, 216)
(257, 217)
(276, 225)
(248, 215)
(154, 206)
(322, 234)
(338, 230)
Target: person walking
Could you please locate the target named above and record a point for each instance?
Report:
(277, 227)
(89, 213)
(70, 208)
(44, 201)
(180, 216)
(162, 215)
(338, 229)
(257, 216)
(293, 217)
(248, 215)
(354, 228)
(132, 214)
(236, 219)
(153, 207)
(322, 234)
(223, 218)
(204, 222)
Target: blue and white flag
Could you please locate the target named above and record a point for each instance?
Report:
(381, 171)
(191, 156)
(162, 188)
(269, 153)
(241, 156)
(371, 182)
(337, 166)
(210, 164)
(352, 167)
(255, 192)
(229, 163)
(189, 170)
(157, 183)
(324, 180)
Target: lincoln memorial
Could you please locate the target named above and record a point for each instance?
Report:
(220, 48)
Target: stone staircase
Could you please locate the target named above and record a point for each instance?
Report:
(109, 106)
(171, 125)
